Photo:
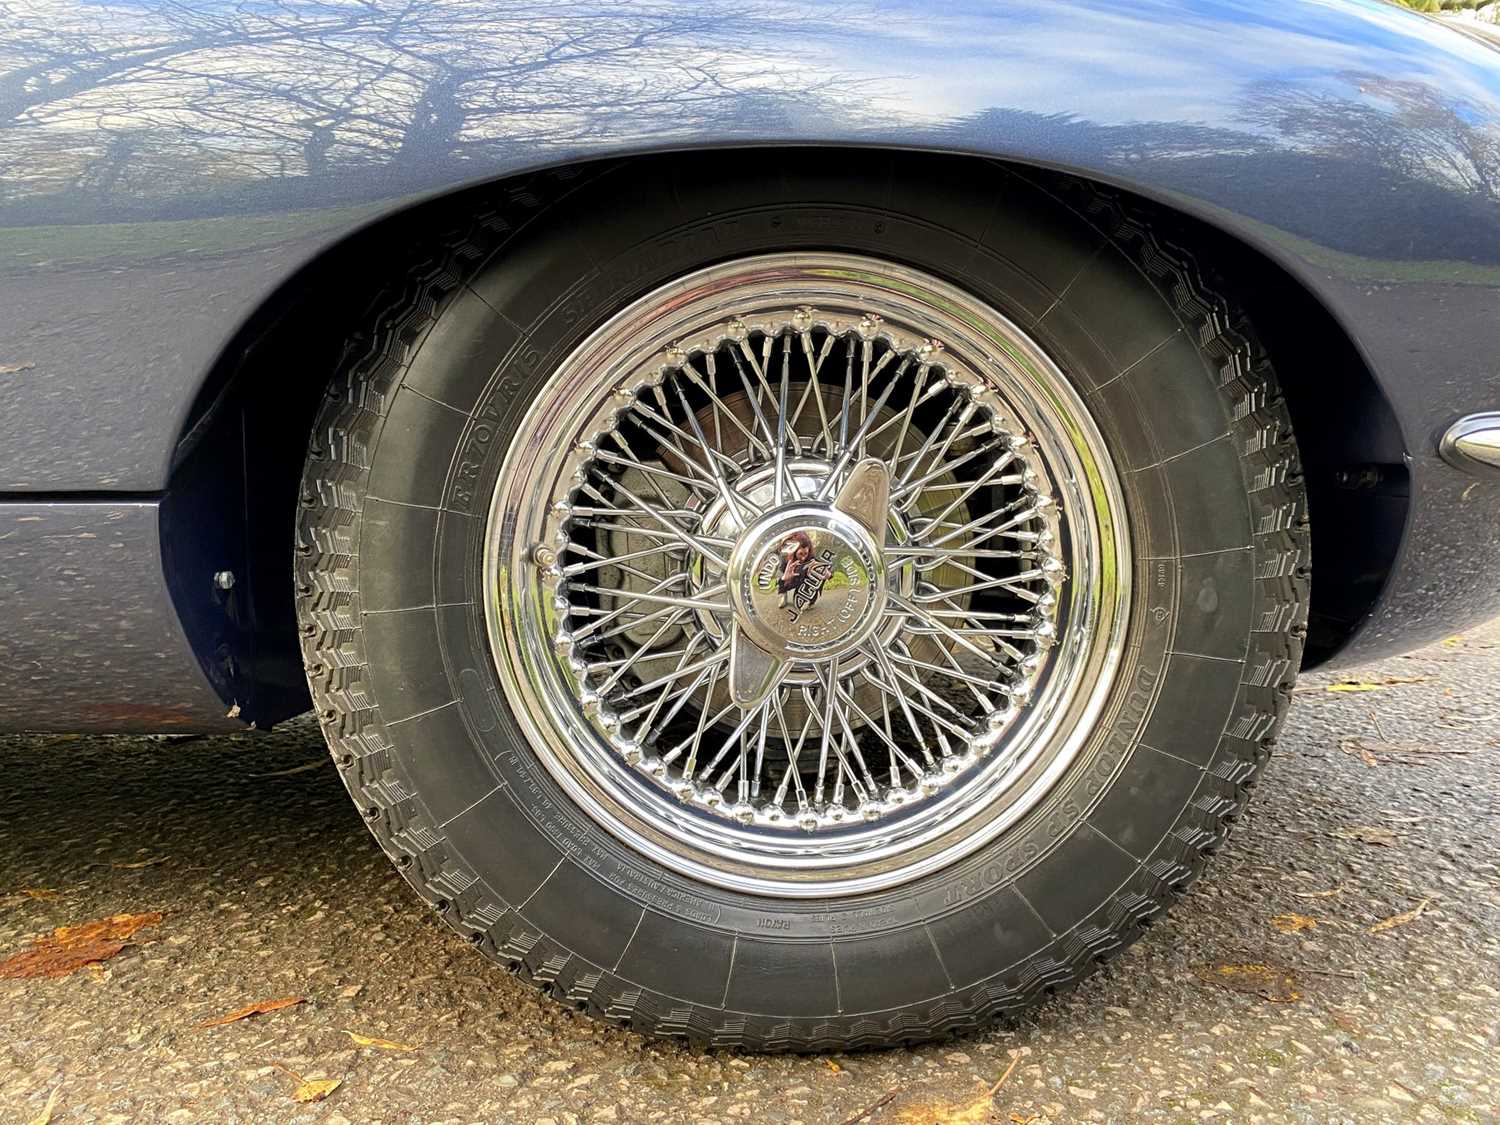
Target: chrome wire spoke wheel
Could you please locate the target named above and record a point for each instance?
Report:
(809, 574)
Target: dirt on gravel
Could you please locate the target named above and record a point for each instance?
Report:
(1339, 962)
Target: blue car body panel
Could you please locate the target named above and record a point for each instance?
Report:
(164, 168)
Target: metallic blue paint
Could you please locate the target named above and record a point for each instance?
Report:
(165, 167)
(91, 641)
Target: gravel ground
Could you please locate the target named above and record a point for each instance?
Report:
(1377, 802)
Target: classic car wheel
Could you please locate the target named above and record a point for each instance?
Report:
(803, 610)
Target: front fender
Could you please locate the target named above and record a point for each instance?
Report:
(169, 166)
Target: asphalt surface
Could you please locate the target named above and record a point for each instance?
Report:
(1378, 802)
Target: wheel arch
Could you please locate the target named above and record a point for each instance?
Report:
(233, 480)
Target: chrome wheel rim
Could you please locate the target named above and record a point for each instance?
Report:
(808, 574)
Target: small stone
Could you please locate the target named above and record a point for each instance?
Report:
(1082, 1092)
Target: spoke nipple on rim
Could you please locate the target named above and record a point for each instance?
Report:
(736, 330)
(745, 814)
(1046, 635)
(1044, 502)
(544, 556)
(802, 319)
(1054, 571)
(807, 821)
(929, 785)
(631, 752)
(869, 324)
(676, 357)
(871, 810)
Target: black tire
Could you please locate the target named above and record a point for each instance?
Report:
(390, 538)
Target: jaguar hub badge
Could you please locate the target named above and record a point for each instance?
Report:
(798, 574)
(806, 582)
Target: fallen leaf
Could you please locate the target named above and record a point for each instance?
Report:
(1403, 918)
(29, 894)
(1374, 685)
(140, 864)
(1367, 750)
(1294, 923)
(315, 1090)
(1345, 1021)
(305, 767)
(45, 1117)
(1370, 834)
(257, 1009)
(1470, 720)
(70, 948)
(383, 1044)
(310, 1089)
(15, 368)
(833, 1066)
(949, 1113)
(965, 1113)
(1266, 981)
(1453, 641)
(1318, 894)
